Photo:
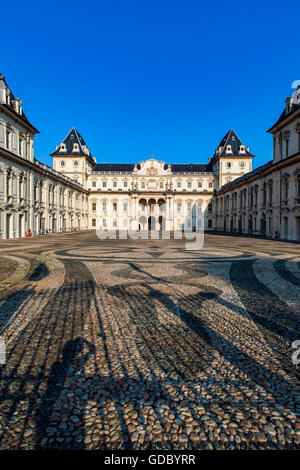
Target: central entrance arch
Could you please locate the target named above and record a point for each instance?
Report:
(162, 223)
(151, 223)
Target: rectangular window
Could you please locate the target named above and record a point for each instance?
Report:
(104, 184)
(94, 184)
(125, 184)
(209, 223)
(178, 184)
(189, 206)
(62, 163)
(7, 139)
(178, 207)
(125, 206)
(143, 185)
(75, 163)
(287, 147)
(200, 184)
(93, 206)
(104, 206)
(189, 184)
(93, 222)
(228, 164)
(114, 223)
(104, 222)
(209, 207)
(114, 184)
(114, 206)
(210, 185)
(242, 165)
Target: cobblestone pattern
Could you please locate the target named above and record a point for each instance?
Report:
(144, 345)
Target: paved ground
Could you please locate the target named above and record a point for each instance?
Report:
(141, 344)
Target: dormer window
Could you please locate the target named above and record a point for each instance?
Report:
(242, 149)
(228, 149)
(62, 147)
(86, 150)
(75, 148)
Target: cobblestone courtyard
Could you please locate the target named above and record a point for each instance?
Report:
(142, 344)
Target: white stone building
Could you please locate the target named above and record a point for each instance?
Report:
(80, 193)
(151, 194)
(33, 197)
(266, 201)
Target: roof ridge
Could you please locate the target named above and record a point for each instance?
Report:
(79, 139)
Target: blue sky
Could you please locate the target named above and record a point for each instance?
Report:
(137, 78)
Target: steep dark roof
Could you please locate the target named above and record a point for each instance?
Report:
(247, 176)
(127, 167)
(284, 114)
(73, 138)
(191, 167)
(176, 168)
(231, 139)
(10, 106)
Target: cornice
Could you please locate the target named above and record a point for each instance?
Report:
(277, 166)
(17, 118)
(40, 170)
(151, 193)
(287, 120)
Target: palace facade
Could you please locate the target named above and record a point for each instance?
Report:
(266, 201)
(79, 193)
(150, 194)
(33, 197)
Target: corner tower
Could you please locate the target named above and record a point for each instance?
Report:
(73, 158)
(231, 160)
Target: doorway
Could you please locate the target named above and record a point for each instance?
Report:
(151, 223)
(8, 225)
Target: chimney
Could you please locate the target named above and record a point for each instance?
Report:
(2, 89)
(288, 104)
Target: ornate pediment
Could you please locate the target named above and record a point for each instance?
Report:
(152, 167)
